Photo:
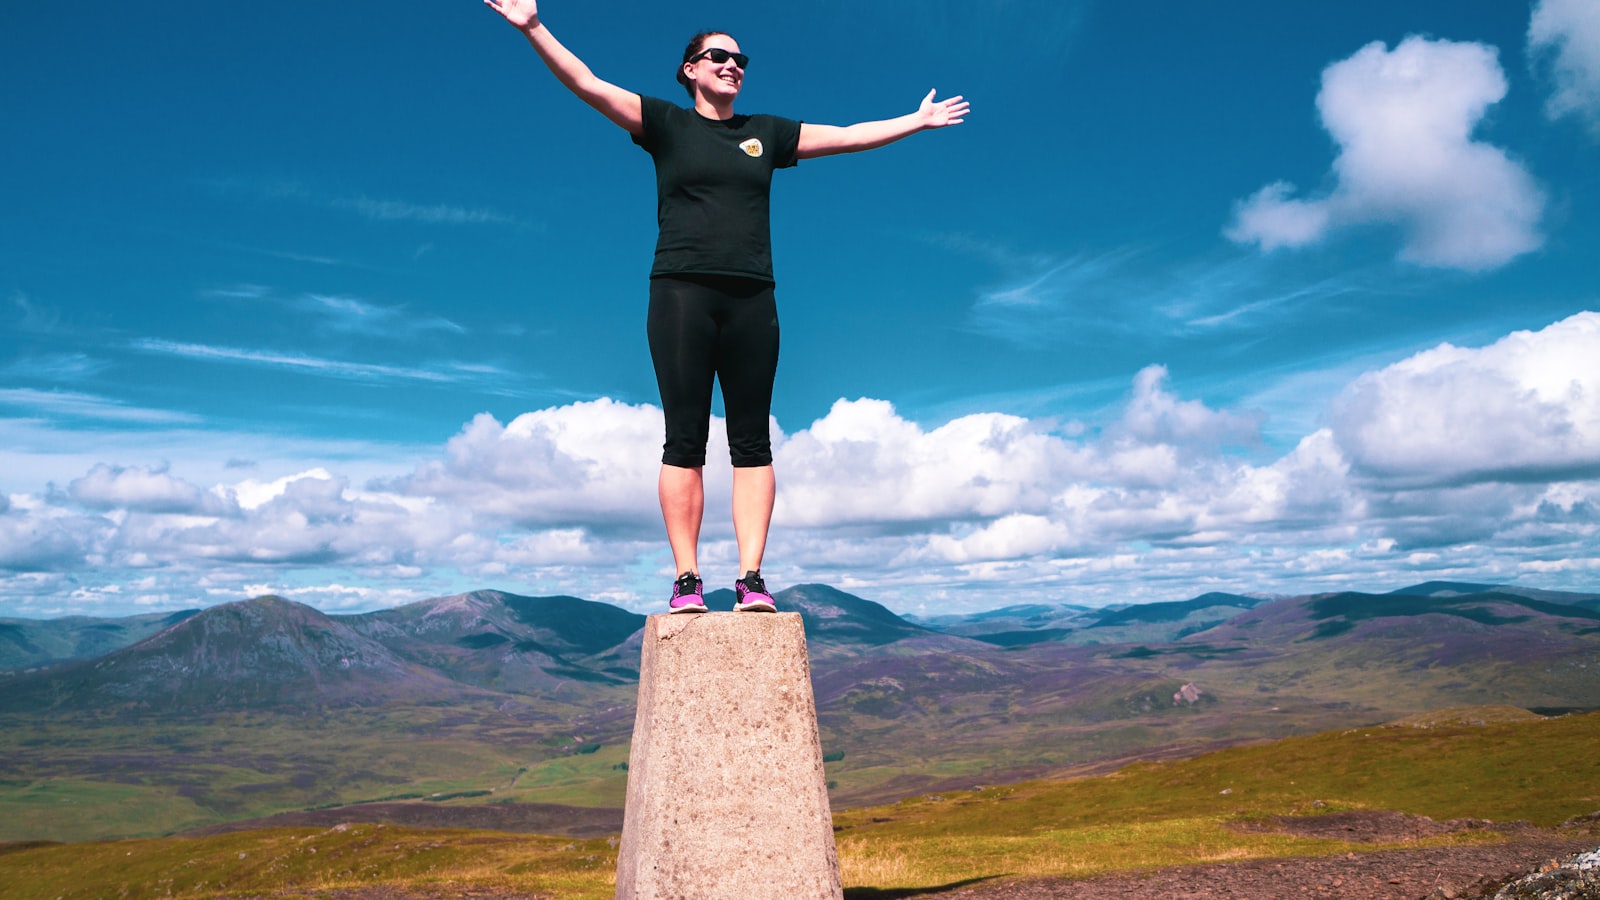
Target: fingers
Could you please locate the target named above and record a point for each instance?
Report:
(954, 109)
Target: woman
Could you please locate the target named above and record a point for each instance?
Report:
(712, 311)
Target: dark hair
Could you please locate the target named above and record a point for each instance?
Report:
(696, 44)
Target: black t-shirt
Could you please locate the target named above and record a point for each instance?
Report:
(713, 186)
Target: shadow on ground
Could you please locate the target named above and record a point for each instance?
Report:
(870, 893)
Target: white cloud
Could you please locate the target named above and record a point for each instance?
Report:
(1463, 463)
(1404, 121)
(1273, 219)
(142, 490)
(1567, 34)
(41, 540)
(1524, 409)
(585, 462)
(1154, 415)
(862, 463)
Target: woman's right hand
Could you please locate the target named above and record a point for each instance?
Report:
(524, 14)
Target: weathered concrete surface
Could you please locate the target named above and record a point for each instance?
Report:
(726, 794)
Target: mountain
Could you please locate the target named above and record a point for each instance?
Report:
(1011, 626)
(1444, 589)
(1176, 611)
(1018, 626)
(508, 642)
(1457, 588)
(837, 620)
(34, 642)
(261, 653)
(268, 706)
(1353, 615)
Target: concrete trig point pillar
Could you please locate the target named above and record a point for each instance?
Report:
(727, 799)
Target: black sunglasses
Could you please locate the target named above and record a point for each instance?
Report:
(719, 56)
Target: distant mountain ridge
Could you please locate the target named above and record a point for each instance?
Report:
(542, 640)
(503, 641)
(33, 642)
(265, 652)
(271, 652)
(358, 708)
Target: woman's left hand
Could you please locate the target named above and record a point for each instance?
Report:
(944, 112)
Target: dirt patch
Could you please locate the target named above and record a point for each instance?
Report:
(1432, 873)
(380, 892)
(1368, 826)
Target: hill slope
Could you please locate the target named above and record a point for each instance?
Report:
(261, 653)
(508, 642)
(26, 643)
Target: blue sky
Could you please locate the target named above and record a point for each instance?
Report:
(351, 309)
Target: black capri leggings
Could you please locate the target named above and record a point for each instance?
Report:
(702, 327)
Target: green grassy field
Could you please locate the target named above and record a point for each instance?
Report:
(1146, 815)
(89, 779)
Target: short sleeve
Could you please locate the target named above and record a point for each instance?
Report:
(652, 114)
(785, 142)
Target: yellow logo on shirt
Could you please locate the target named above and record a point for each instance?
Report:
(752, 147)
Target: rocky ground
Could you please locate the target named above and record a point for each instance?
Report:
(1424, 873)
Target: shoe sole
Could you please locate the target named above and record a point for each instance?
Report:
(755, 606)
(688, 609)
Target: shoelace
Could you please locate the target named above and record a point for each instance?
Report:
(753, 584)
(686, 584)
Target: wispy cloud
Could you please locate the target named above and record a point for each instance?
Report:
(89, 406)
(316, 365)
(238, 292)
(55, 367)
(32, 317)
(429, 214)
(1057, 280)
(1242, 293)
(348, 314)
(1040, 299)
(373, 208)
(341, 314)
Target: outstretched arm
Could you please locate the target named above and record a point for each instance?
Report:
(620, 106)
(827, 140)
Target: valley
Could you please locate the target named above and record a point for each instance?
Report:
(265, 707)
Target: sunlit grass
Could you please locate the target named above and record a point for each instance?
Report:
(1145, 816)
(288, 860)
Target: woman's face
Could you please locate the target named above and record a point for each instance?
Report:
(712, 79)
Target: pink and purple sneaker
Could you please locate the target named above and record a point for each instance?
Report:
(753, 596)
(688, 596)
